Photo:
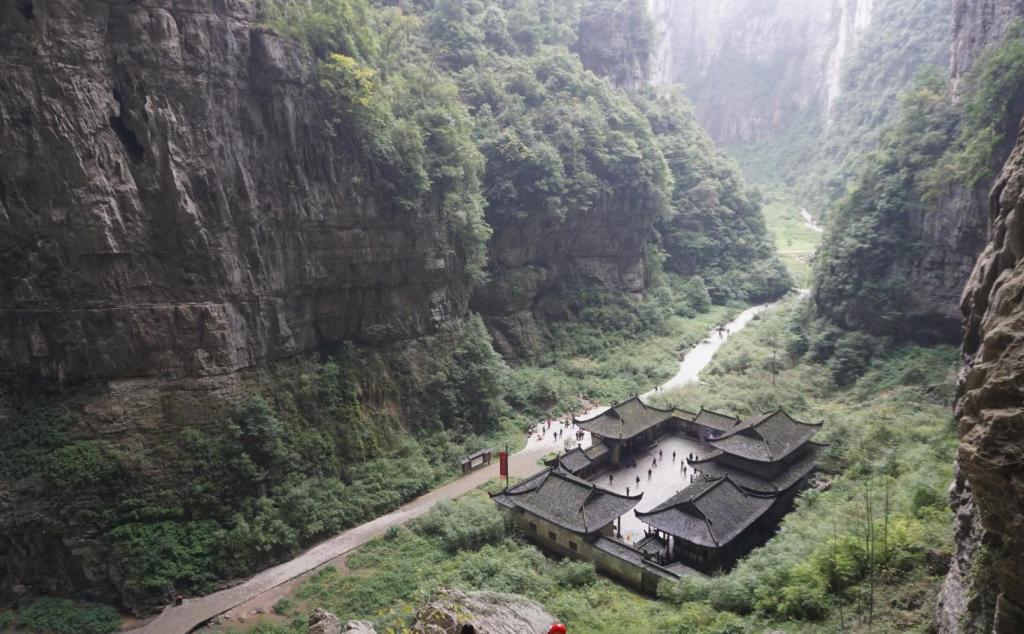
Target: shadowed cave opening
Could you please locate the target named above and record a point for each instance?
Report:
(128, 139)
(25, 8)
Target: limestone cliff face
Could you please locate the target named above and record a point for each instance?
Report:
(178, 221)
(753, 67)
(535, 260)
(953, 233)
(174, 207)
(175, 216)
(985, 587)
(948, 238)
(976, 25)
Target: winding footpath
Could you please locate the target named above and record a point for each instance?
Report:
(811, 223)
(195, 612)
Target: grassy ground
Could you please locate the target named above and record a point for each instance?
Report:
(795, 241)
(581, 363)
(891, 443)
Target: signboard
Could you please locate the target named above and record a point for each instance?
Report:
(503, 464)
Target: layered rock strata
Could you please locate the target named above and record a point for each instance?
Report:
(174, 206)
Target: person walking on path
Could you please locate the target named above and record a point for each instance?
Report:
(673, 456)
(649, 474)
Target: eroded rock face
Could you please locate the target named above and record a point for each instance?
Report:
(752, 67)
(976, 24)
(486, 612)
(173, 205)
(535, 260)
(985, 587)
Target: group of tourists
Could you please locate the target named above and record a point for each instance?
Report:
(561, 428)
(683, 466)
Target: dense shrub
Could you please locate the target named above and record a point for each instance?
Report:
(575, 574)
(463, 526)
(850, 357)
(63, 616)
(28, 438)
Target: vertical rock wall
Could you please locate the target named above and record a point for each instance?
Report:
(173, 204)
(174, 212)
(753, 67)
(976, 25)
(985, 587)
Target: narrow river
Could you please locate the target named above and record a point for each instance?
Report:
(262, 589)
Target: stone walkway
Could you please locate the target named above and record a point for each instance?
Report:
(700, 355)
(194, 612)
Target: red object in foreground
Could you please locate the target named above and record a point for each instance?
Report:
(503, 464)
(557, 628)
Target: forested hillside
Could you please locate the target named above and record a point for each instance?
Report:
(905, 236)
(306, 228)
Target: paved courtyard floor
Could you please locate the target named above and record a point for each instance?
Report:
(668, 478)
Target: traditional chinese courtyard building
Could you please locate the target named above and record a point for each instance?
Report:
(749, 481)
(711, 523)
(746, 476)
(772, 453)
(573, 517)
(632, 426)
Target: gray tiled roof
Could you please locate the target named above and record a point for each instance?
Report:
(627, 419)
(714, 420)
(567, 501)
(574, 461)
(620, 550)
(596, 451)
(711, 513)
(632, 555)
(712, 468)
(766, 438)
(683, 414)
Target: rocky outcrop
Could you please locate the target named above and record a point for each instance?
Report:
(174, 207)
(985, 587)
(456, 612)
(323, 622)
(753, 68)
(483, 612)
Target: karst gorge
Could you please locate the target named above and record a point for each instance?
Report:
(511, 316)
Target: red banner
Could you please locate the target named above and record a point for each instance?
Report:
(503, 464)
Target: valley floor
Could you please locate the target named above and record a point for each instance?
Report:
(259, 592)
(892, 443)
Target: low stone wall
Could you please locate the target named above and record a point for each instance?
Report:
(639, 578)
